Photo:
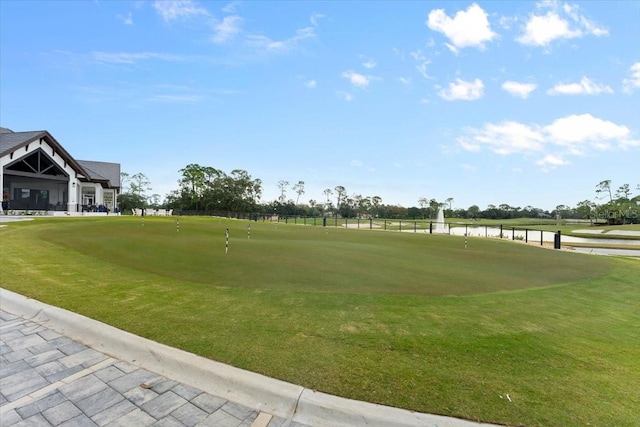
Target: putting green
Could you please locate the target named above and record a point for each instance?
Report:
(313, 259)
(360, 314)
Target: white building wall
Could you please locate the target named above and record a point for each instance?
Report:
(72, 188)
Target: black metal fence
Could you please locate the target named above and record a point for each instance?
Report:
(521, 233)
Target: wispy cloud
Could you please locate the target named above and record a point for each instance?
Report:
(132, 58)
(178, 98)
(264, 42)
(231, 7)
(358, 164)
(345, 96)
(126, 20)
(584, 87)
(311, 84)
(468, 28)
(315, 19)
(463, 90)
(633, 82)
(225, 30)
(421, 63)
(357, 79)
(551, 161)
(178, 9)
(369, 64)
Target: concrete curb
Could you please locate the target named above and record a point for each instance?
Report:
(256, 391)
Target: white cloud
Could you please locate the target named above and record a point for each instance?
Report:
(227, 29)
(572, 135)
(522, 90)
(551, 161)
(463, 90)
(421, 63)
(507, 137)
(231, 7)
(468, 28)
(584, 87)
(357, 79)
(314, 19)
(345, 95)
(178, 9)
(126, 20)
(405, 80)
(178, 98)
(132, 58)
(311, 84)
(369, 64)
(541, 30)
(633, 82)
(264, 42)
(585, 129)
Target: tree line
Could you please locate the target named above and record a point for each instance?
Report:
(204, 190)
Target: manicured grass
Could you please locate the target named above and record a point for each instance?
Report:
(409, 320)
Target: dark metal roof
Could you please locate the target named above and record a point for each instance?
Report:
(102, 171)
(12, 141)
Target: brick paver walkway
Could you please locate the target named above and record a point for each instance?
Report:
(46, 379)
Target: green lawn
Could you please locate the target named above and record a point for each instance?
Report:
(403, 319)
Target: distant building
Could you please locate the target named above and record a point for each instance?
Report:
(38, 174)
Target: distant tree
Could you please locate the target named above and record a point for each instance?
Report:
(603, 189)
(135, 189)
(414, 212)
(341, 193)
(423, 203)
(282, 186)
(140, 184)
(435, 206)
(376, 201)
(449, 201)
(328, 193)
(154, 201)
(584, 210)
(124, 181)
(624, 192)
(299, 189)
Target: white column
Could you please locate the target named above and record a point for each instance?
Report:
(72, 192)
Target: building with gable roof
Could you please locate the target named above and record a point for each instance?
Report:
(38, 174)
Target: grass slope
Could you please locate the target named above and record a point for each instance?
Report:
(566, 352)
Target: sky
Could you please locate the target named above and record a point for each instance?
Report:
(519, 103)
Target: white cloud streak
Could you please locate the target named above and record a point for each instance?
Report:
(227, 29)
(573, 135)
(264, 42)
(521, 90)
(584, 87)
(178, 9)
(132, 58)
(632, 83)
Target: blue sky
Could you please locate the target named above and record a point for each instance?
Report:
(523, 103)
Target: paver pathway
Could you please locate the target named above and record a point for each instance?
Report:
(46, 379)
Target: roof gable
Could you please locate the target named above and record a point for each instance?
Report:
(103, 172)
